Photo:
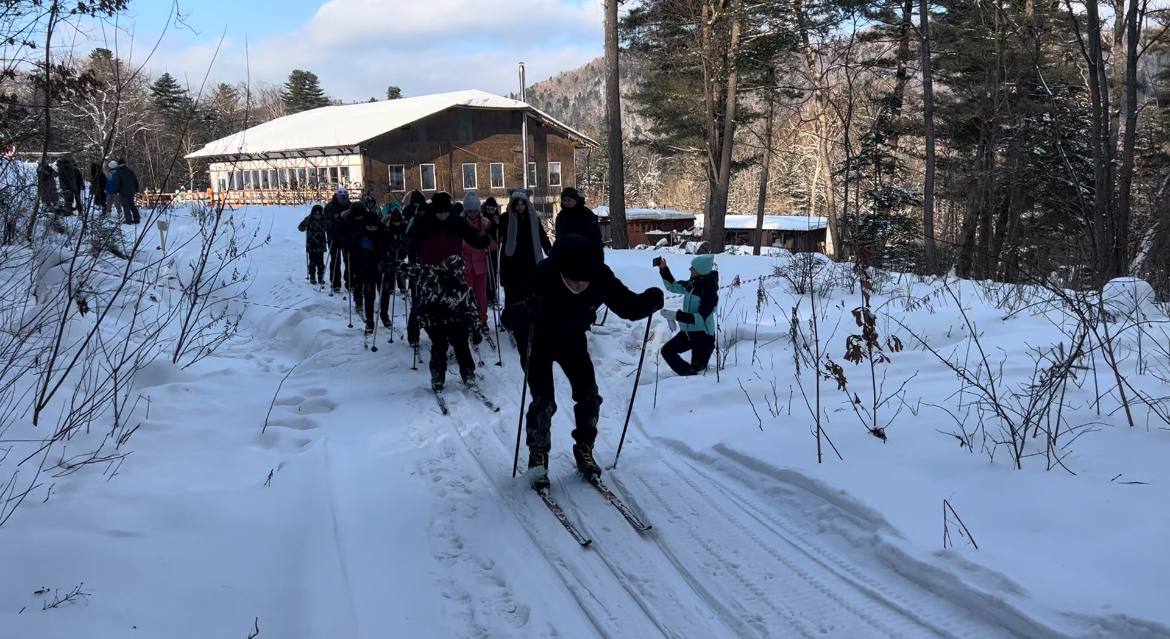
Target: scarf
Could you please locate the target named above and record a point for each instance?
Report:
(514, 223)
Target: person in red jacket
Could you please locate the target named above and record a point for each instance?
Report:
(476, 259)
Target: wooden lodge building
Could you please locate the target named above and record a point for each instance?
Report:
(456, 142)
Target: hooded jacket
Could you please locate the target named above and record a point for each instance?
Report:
(700, 296)
(556, 311)
(580, 220)
(334, 224)
(316, 240)
(525, 243)
(439, 239)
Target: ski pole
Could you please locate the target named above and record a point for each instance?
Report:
(523, 394)
(496, 314)
(393, 309)
(374, 339)
(350, 307)
(637, 377)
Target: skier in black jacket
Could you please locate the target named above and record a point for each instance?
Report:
(335, 229)
(567, 289)
(316, 243)
(367, 241)
(577, 219)
(393, 256)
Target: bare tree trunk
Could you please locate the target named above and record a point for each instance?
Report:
(53, 12)
(1120, 246)
(765, 166)
(928, 127)
(715, 221)
(613, 108)
(821, 131)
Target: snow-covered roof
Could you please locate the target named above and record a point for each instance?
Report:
(647, 214)
(351, 124)
(775, 222)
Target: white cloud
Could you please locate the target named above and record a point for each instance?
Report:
(423, 46)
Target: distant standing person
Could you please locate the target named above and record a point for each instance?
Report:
(127, 188)
(696, 319)
(112, 198)
(577, 219)
(525, 245)
(491, 211)
(97, 187)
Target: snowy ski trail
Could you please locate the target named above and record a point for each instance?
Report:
(718, 564)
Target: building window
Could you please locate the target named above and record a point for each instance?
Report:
(273, 178)
(532, 174)
(344, 172)
(497, 174)
(237, 180)
(333, 179)
(427, 176)
(397, 177)
(469, 176)
(554, 173)
(322, 177)
(293, 178)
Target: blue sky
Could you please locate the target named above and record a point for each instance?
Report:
(358, 47)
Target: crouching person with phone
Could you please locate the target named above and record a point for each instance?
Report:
(696, 319)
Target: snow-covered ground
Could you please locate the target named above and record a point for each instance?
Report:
(360, 511)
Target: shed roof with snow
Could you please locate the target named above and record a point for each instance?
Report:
(350, 125)
(776, 222)
(633, 214)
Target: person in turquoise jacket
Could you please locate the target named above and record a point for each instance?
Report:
(696, 319)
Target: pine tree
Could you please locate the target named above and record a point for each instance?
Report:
(303, 92)
(393, 92)
(169, 97)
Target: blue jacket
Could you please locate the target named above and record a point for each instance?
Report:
(700, 298)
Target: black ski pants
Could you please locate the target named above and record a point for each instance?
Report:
(572, 353)
(699, 343)
(456, 336)
(316, 267)
(512, 295)
(338, 265)
(365, 283)
(390, 282)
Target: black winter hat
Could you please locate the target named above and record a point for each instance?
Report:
(417, 198)
(576, 258)
(491, 201)
(440, 202)
(572, 192)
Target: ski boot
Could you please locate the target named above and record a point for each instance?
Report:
(385, 319)
(538, 471)
(438, 381)
(586, 465)
(369, 326)
(470, 381)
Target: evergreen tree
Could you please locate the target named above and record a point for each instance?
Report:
(303, 92)
(393, 92)
(169, 97)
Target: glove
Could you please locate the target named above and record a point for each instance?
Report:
(670, 319)
(652, 298)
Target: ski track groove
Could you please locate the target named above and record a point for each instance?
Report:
(337, 545)
(573, 585)
(834, 563)
(723, 616)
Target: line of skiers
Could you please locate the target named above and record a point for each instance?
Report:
(114, 186)
(452, 256)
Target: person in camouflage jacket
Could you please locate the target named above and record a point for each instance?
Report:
(448, 312)
(316, 243)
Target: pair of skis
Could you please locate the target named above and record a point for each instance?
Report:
(477, 392)
(595, 480)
